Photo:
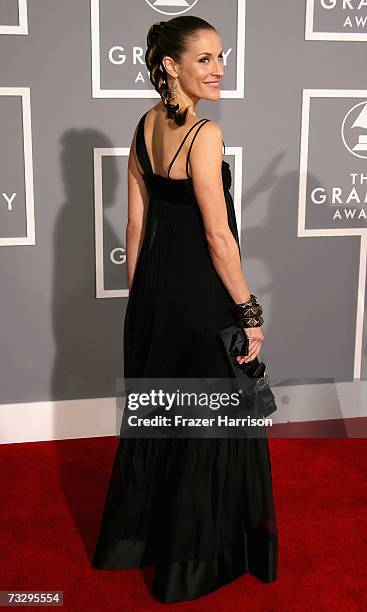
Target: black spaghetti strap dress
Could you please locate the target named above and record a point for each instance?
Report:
(200, 510)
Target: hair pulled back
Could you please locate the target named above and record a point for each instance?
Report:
(170, 38)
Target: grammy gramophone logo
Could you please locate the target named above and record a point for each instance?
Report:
(333, 180)
(354, 130)
(171, 7)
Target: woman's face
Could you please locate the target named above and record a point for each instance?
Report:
(201, 68)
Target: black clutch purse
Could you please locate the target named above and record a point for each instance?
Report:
(252, 382)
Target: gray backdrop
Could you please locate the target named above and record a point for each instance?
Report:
(63, 297)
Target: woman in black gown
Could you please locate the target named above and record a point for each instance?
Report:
(200, 510)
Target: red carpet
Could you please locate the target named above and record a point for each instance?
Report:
(51, 500)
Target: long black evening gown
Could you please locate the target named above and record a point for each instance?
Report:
(200, 510)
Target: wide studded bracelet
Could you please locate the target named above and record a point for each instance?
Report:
(248, 314)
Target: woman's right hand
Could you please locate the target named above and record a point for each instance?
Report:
(256, 338)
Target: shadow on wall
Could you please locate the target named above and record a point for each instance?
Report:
(298, 279)
(87, 330)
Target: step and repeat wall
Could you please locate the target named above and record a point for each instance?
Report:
(293, 110)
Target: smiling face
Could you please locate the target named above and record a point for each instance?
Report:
(200, 70)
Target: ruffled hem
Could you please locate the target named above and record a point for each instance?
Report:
(175, 581)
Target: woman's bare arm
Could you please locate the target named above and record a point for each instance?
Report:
(206, 171)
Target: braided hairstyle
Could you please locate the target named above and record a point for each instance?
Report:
(170, 38)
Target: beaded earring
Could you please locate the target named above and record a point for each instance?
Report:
(172, 108)
(173, 91)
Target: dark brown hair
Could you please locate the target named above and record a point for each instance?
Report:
(170, 38)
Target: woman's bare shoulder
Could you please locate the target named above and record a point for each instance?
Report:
(208, 144)
(210, 133)
(213, 128)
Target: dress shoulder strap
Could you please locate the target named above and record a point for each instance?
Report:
(141, 149)
(186, 135)
(142, 152)
(191, 143)
(187, 160)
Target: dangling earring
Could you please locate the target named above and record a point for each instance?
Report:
(173, 90)
(172, 108)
